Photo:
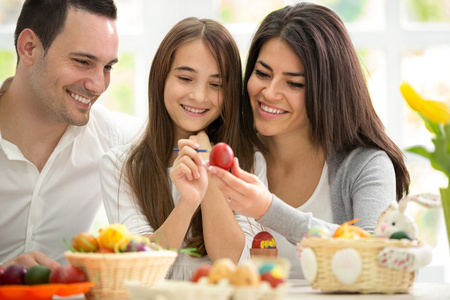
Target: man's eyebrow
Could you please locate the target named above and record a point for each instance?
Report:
(284, 73)
(92, 57)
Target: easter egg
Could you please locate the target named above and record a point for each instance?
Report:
(264, 240)
(246, 274)
(222, 268)
(318, 231)
(274, 281)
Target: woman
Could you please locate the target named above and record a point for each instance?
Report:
(328, 157)
(194, 90)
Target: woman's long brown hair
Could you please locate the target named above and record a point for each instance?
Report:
(338, 103)
(146, 166)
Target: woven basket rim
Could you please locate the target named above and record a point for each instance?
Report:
(363, 242)
(159, 253)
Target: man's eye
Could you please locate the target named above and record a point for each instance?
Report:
(83, 62)
(108, 68)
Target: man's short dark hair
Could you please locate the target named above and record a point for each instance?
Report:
(47, 17)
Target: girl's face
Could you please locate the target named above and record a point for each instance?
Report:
(277, 91)
(192, 93)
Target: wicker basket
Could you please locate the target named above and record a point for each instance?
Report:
(372, 278)
(111, 271)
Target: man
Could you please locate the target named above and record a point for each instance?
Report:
(50, 139)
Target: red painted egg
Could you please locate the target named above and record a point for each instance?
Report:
(264, 240)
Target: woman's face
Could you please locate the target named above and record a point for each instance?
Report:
(277, 90)
(192, 93)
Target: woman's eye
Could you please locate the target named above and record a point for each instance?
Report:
(261, 74)
(295, 84)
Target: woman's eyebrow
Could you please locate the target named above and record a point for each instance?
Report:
(284, 73)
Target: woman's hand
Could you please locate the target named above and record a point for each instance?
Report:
(246, 194)
(188, 173)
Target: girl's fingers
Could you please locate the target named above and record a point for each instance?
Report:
(187, 165)
(187, 143)
(191, 153)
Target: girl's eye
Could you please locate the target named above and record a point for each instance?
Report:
(261, 74)
(184, 78)
(216, 85)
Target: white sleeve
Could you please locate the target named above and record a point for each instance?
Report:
(119, 202)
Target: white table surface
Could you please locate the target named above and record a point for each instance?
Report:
(420, 291)
(300, 289)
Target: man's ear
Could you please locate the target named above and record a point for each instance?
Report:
(28, 46)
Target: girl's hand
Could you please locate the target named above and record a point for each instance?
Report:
(246, 194)
(188, 173)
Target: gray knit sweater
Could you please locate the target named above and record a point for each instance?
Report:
(362, 185)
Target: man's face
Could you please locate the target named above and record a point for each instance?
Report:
(76, 70)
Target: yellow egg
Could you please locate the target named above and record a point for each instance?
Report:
(114, 237)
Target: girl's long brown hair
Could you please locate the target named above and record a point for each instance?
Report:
(146, 166)
(338, 103)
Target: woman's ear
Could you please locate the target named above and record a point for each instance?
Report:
(27, 46)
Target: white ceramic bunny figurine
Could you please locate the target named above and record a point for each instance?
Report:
(395, 219)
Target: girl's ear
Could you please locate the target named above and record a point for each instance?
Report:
(28, 46)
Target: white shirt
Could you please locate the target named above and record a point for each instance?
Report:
(121, 207)
(40, 209)
(319, 204)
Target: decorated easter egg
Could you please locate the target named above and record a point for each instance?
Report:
(221, 269)
(246, 274)
(264, 240)
(318, 231)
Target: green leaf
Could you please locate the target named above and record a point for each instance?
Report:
(420, 150)
(433, 127)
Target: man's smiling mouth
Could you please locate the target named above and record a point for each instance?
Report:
(80, 98)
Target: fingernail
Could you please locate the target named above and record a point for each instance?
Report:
(212, 170)
(198, 175)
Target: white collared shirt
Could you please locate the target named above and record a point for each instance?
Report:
(38, 210)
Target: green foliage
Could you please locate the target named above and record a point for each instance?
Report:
(440, 157)
(427, 11)
(7, 64)
(348, 10)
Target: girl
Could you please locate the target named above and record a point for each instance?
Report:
(194, 91)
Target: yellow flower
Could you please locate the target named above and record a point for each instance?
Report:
(436, 111)
(114, 237)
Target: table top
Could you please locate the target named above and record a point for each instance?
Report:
(300, 289)
(420, 291)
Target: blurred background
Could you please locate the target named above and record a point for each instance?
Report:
(397, 40)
